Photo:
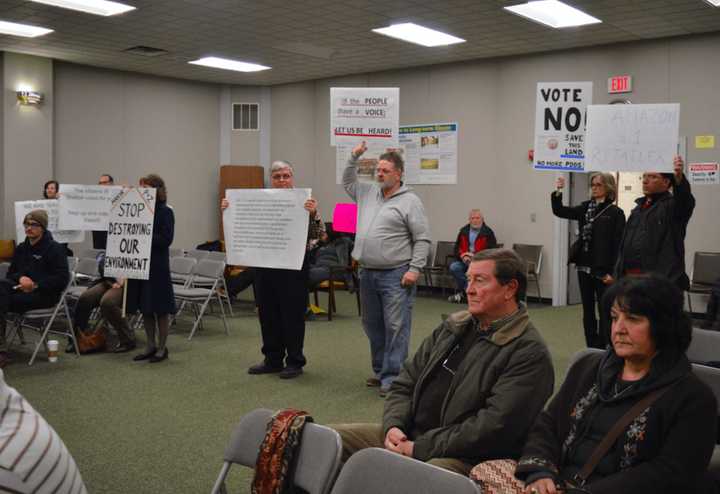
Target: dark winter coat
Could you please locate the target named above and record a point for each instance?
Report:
(462, 242)
(666, 449)
(607, 231)
(659, 232)
(45, 263)
(156, 294)
(496, 393)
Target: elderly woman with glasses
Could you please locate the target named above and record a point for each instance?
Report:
(282, 295)
(601, 224)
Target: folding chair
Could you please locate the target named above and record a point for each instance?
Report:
(181, 269)
(86, 272)
(176, 252)
(532, 255)
(197, 254)
(439, 262)
(706, 270)
(91, 253)
(203, 282)
(711, 377)
(333, 284)
(46, 317)
(199, 298)
(379, 470)
(318, 459)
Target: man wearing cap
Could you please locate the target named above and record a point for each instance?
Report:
(654, 236)
(37, 275)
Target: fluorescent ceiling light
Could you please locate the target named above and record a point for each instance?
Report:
(15, 29)
(418, 34)
(224, 63)
(553, 13)
(714, 3)
(97, 7)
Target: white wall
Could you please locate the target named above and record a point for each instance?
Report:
(130, 125)
(494, 103)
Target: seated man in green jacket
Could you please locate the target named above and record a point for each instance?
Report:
(475, 386)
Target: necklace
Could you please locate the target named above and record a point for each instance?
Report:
(617, 393)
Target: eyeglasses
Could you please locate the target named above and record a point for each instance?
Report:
(31, 224)
(281, 176)
(445, 362)
(104, 182)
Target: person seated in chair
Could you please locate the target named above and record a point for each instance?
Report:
(335, 252)
(36, 277)
(475, 385)
(472, 238)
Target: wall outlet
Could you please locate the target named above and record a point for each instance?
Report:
(533, 217)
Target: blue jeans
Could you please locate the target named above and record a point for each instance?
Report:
(386, 317)
(458, 270)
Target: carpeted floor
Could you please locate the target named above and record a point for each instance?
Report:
(141, 428)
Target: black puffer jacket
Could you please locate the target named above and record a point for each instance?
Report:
(607, 232)
(658, 232)
(45, 263)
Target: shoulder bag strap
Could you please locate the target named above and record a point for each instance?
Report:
(615, 432)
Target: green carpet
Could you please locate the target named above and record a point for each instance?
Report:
(139, 427)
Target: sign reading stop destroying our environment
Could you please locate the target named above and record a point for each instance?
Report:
(364, 114)
(130, 231)
(560, 125)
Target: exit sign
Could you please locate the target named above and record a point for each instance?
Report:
(620, 84)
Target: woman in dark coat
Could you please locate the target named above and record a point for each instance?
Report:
(154, 297)
(601, 225)
(667, 446)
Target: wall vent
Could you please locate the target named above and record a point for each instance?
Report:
(145, 51)
(246, 116)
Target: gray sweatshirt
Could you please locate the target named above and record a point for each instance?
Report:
(391, 232)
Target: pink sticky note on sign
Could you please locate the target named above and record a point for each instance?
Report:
(345, 217)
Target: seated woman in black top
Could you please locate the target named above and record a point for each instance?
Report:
(601, 225)
(668, 444)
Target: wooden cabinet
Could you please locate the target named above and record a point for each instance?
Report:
(240, 177)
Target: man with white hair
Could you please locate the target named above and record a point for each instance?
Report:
(472, 238)
(391, 244)
(282, 295)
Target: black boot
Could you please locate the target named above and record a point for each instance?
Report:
(711, 314)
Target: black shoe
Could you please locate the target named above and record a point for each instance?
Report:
(70, 348)
(290, 372)
(124, 347)
(144, 355)
(264, 368)
(159, 358)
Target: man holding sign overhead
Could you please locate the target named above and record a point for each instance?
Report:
(654, 237)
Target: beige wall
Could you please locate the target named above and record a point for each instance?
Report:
(130, 125)
(27, 142)
(245, 144)
(494, 104)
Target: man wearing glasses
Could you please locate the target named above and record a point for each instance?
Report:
(37, 275)
(99, 237)
(475, 385)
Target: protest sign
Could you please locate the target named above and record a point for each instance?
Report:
(22, 208)
(703, 173)
(266, 228)
(631, 138)
(364, 114)
(345, 217)
(86, 207)
(130, 231)
(560, 125)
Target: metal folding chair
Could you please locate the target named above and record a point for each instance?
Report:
(199, 298)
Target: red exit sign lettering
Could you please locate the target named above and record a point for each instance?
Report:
(620, 84)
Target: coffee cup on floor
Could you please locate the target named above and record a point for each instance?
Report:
(53, 346)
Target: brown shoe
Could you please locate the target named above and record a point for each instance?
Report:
(4, 359)
(372, 382)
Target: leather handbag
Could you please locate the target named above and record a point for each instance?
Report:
(92, 341)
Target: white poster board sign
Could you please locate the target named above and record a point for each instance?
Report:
(266, 228)
(429, 151)
(560, 125)
(364, 114)
(130, 230)
(86, 207)
(632, 138)
(704, 173)
(22, 208)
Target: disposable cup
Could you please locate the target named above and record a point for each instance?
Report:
(53, 346)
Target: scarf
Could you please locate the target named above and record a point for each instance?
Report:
(277, 452)
(586, 233)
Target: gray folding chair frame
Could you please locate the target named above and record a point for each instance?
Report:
(706, 270)
(532, 254)
(711, 377)
(318, 459)
(704, 346)
(197, 296)
(379, 470)
(48, 316)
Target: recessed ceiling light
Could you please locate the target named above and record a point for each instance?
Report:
(227, 64)
(15, 29)
(97, 7)
(553, 13)
(419, 35)
(714, 3)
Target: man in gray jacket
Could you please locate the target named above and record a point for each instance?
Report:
(475, 385)
(391, 244)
